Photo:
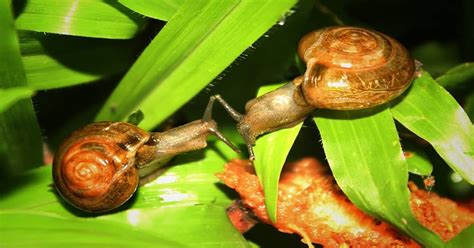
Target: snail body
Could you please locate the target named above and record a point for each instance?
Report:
(99, 167)
(347, 68)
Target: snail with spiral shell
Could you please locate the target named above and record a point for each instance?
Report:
(346, 68)
(99, 167)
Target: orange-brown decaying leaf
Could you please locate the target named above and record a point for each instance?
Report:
(311, 204)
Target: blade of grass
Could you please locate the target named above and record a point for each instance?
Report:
(20, 136)
(158, 9)
(271, 151)
(365, 156)
(437, 57)
(417, 160)
(30, 228)
(418, 164)
(198, 43)
(459, 76)
(469, 105)
(53, 61)
(433, 114)
(8, 97)
(90, 18)
(463, 239)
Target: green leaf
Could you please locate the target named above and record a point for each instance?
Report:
(463, 239)
(469, 105)
(53, 61)
(417, 161)
(10, 96)
(36, 229)
(432, 113)
(20, 136)
(461, 75)
(32, 190)
(183, 206)
(136, 117)
(198, 43)
(436, 57)
(90, 18)
(271, 151)
(158, 9)
(364, 153)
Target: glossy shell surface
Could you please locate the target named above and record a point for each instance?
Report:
(94, 168)
(353, 68)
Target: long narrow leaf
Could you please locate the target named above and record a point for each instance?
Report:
(47, 230)
(20, 137)
(366, 159)
(201, 39)
(54, 61)
(91, 18)
(10, 96)
(158, 9)
(463, 239)
(271, 151)
(417, 161)
(432, 113)
(469, 106)
(461, 75)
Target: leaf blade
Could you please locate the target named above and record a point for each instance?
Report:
(55, 61)
(433, 114)
(458, 76)
(158, 9)
(271, 151)
(363, 151)
(15, 142)
(200, 40)
(463, 239)
(50, 229)
(90, 18)
(417, 161)
(9, 97)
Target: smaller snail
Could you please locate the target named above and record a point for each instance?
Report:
(347, 68)
(99, 167)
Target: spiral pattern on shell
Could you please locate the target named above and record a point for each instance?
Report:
(94, 169)
(353, 68)
(88, 165)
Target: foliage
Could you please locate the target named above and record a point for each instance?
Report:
(104, 60)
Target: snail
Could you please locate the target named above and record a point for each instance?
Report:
(347, 68)
(99, 167)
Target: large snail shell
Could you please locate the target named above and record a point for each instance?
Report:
(94, 168)
(353, 68)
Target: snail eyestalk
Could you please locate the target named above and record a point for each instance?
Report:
(208, 117)
(277, 109)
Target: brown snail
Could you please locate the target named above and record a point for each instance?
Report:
(346, 68)
(99, 167)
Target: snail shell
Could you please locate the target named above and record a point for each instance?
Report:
(94, 168)
(353, 68)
